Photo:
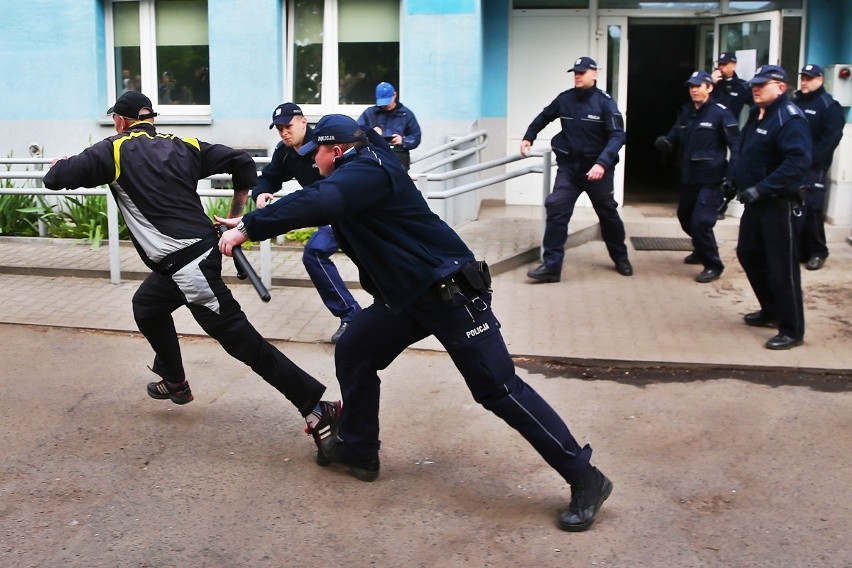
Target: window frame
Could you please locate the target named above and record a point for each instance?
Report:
(147, 60)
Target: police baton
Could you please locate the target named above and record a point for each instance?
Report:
(245, 270)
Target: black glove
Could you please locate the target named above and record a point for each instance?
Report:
(748, 196)
(728, 188)
(663, 144)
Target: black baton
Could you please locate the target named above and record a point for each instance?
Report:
(245, 270)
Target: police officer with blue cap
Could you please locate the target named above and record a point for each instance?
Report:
(394, 121)
(586, 154)
(425, 281)
(826, 119)
(703, 133)
(775, 154)
(730, 90)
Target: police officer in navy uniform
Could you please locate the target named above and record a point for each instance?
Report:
(775, 154)
(730, 90)
(425, 281)
(586, 154)
(703, 133)
(394, 121)
(287, 164)
(826, 119)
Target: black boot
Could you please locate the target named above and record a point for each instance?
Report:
(586, 500)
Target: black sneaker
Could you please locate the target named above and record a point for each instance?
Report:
(367, 470)
(327, 426)
(586, 501)
(178, 393)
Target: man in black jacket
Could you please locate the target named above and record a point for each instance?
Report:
(825, 117)
(154, 177)
(586, 154)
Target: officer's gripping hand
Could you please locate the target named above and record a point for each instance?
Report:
(263, 200)
(729, 190)
(663, 144)
(748, 196)
(525, 147)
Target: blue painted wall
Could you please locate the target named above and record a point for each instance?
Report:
(495, 57)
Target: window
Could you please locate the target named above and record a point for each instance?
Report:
(341, 64)
(160, 47)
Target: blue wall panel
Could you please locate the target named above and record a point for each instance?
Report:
(495, 57)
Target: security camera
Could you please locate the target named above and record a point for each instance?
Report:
(36, 150)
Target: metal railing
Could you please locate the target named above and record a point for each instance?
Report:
(421, 179)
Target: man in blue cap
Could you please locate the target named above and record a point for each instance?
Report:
(703, 132)
(586, 154)
(425, 281)
(775, 154)
(394, 121)
(730, 90)
(826, 119)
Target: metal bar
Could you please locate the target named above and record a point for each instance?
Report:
(451, 144)
(112, 230)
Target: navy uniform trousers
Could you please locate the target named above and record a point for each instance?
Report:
(471, 334)
(200, 287)
(768, 250)
(323, 273)
(697, 211)
(569, 184)
(813, 220)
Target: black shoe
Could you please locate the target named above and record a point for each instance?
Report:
(364, 470)
(692, 258)
(760, 319)
(624, 268)
(586, 501)
(720, 216)
(781, 341)
(178, 393)
(327, 426)
(815, 263)
(709, 275)
(339, 332)
(544, 274)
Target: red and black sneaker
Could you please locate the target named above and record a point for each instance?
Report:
(178, 393)
(327, 426)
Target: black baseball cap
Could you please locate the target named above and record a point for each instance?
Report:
(284, 113)
(332, 129)
(766, 73)
(699, 77)
(583, 64)
(728, 57)
(811, 70)
(131, 104)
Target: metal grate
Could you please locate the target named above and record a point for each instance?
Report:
(661, 243)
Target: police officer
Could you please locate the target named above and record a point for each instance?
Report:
(825, 117)
(703, 132)
(394, 121)
(775, 153)
(586, 154)
(426, 281)
(177, 241)
(730, 90)
(287, 164)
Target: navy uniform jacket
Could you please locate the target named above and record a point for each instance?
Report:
(734, 93)
(381, 222)
(775, 152)
(592, 128)
(400, 121)
(825, 116)
(704, 136)
(286, 164)
(154, 179)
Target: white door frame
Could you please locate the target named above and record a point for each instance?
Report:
(602, 56)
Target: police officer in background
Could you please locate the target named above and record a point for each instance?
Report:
(426, 281)
(287, 164)
(703, 132)
(775, 154)
(586, 154)
(730, 90)
(825, 117)
(394, 121)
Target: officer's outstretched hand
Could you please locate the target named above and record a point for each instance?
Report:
(263, 200)
(748, 195)
(525, 147)
(595, 173)
(232, 237)
(663, 144)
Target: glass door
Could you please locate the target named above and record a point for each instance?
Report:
(612, 78)
(754, 37)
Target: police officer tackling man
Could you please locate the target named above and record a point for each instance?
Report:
(775, 154)
(826, 119)
(394, 121)
(177, 241)
(586, 154)
(287, 164)
(703, 133)
(425, 281)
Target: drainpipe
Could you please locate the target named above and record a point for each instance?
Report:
(596, 35)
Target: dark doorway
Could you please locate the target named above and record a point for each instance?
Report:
(660, 59)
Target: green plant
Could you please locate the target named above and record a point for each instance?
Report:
(82, 217)
(19, 215)
(221, 206)
(300, 235)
